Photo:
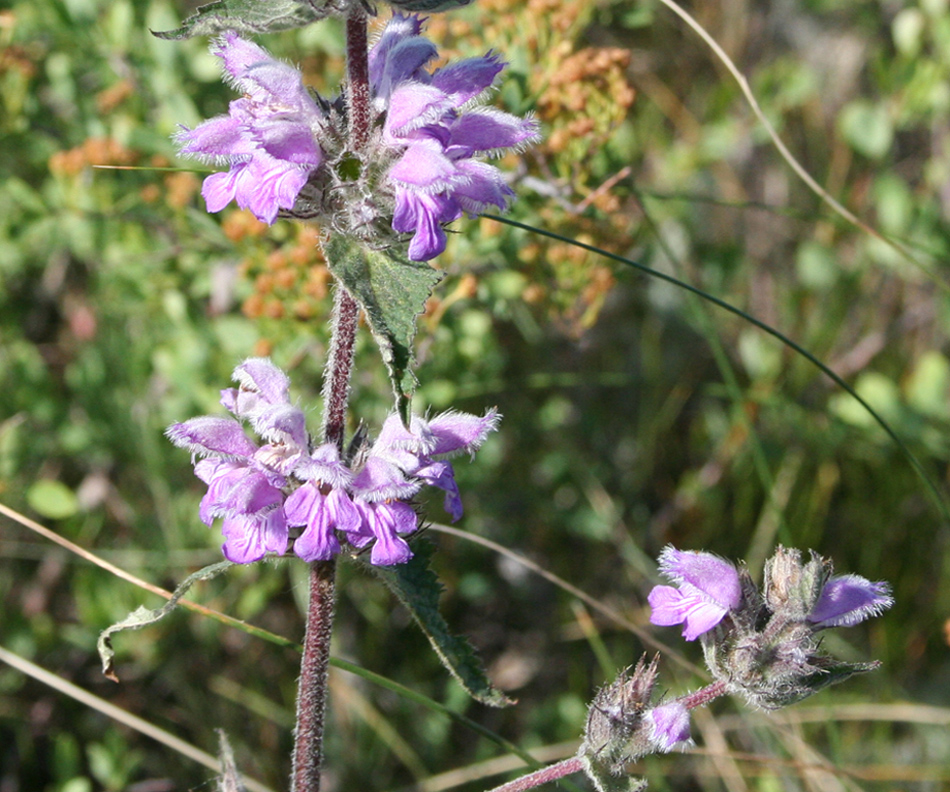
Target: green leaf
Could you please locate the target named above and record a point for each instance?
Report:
(52, 499)
(143, 617)
(392, 291)
(418, 588)
(250, 16)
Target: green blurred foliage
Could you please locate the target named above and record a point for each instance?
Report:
(634, 415)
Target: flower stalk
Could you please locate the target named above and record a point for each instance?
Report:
(314, 666)
(546, 774)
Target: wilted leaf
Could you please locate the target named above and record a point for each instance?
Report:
(143, 617)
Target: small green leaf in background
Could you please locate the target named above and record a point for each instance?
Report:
(867, 127)
(250, 16)
(392, 291)
(52, 499)
(418, 588)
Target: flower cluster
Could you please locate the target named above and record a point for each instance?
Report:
(286, 489)
(623, 724)
(423, 166)
(764, 646)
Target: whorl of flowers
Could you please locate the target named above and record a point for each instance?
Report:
(764, 645)
(424, 164)
(283, 488)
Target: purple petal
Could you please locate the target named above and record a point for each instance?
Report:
(249, 538)
(387, 521)
(210, 435)
(238, 55)
(261, 377)
(217, 138)
(276, 83)
(492, 130)
(670, 725)
(399, 54)
(218, 189)
(685, 606)
(307, 506)
(417, 439)
(413, 105)
(457, 431)
(423, 166)
(324, 466)
(442, 476)
(848, 599)
(344, 515)
(380, 480)
(486, 187)
(289, 142)
(281, 423)
(466, 79)
(424, 215)
(713, 576)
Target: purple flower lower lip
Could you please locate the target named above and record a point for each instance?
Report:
(708, 589)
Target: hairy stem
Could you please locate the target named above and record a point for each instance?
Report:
(312, 688)
(703, 696)
(544, 775)
(336, 378)
(336, 383)
(357, 69)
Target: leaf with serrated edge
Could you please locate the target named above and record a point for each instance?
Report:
(392, 291)
(251, 16)
(418, 588)
(143, 617)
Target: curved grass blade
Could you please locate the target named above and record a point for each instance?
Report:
(908, 454)
(787, 155)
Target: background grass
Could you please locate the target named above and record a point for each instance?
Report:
(635, 415)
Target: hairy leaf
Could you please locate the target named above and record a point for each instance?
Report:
(143, 617)
(392, 291)
(251, 16)
(418, 588)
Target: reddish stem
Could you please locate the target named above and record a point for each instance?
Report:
(703, 696)
(312, 689)
(550, 773)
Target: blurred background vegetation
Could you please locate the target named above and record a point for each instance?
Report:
(635, 415)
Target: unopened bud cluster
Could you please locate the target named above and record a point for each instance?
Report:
(623, 724)
(764, 646)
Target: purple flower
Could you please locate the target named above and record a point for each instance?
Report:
(263, 491)
(268, 137)
(670, 725)
(422, 449)
(848, 599)
(708, 588)
(433, 121)
(246, 481)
